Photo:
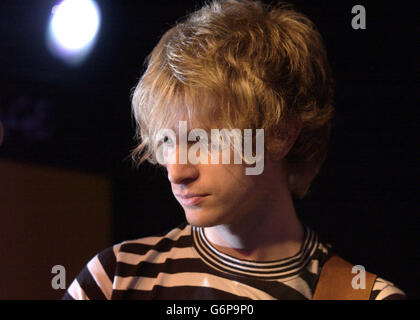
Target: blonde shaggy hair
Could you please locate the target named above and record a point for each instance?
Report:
(242, 64)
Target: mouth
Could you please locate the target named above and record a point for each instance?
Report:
(191, 199)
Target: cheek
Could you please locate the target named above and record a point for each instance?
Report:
(231, 183)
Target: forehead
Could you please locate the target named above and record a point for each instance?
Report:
(197, 115)
(201, 108)
(192, 124)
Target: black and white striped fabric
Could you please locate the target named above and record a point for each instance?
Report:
(183, 265)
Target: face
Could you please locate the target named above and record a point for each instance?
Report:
(225, 194)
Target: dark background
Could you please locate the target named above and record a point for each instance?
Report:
(365, 198)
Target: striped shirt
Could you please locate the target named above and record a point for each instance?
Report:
(183, 264)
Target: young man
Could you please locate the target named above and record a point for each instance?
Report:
(233, 65)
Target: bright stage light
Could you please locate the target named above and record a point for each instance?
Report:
(73, 29)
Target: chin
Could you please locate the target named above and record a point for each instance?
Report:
(202, 218)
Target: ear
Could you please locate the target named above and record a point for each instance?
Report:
(293, 134)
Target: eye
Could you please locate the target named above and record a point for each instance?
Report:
(201, 140)
(166, 140)
(195, 139)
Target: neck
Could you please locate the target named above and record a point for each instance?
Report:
(272, 232)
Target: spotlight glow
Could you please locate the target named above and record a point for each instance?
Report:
(73, 28)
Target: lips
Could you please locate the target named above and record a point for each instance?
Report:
(191, 199)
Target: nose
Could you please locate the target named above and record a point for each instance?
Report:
(181, 173)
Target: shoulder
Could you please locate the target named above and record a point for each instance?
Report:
(95, 281)
(381, 289)
(386, 290)
(340, 278)
(161, 243)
